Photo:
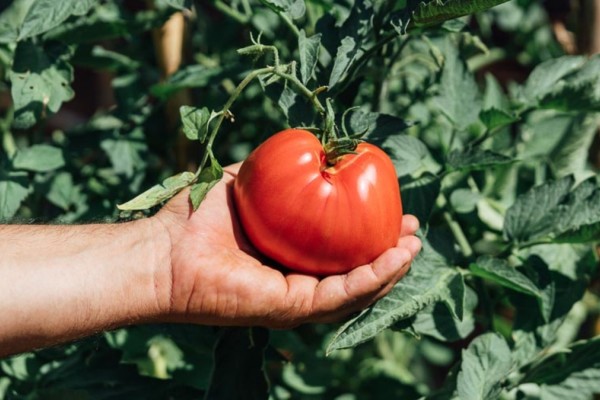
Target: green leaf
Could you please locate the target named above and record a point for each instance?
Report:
(296, 109)
(354, 34)
(434, 12)
(579, 91)
(485, 365)
(464, 201)
(196, 122)
(438, 322)
(498, 271)
(11, 19)
(573, 373)
(64, 193)
(408, 153)
(39, 158)
(207, 179)
(126, 153)
(40, 80)
(309, 54)
(191, 77)
(47, 14)
(570, 154)
(14, 188)
(493, 96)
(544, 78)
(534, 330)
(457, 89)
(295, 8)
(429, 281)
(475, 159)
(555, 211)
(108, 21)
(494, 118)
(419, 195)
(376, 127)
(159, 193)
(239, 371)
(180, 4)
(347, 51)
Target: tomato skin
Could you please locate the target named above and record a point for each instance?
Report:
(314, 218)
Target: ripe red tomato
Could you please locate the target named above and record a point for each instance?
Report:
(312, 217)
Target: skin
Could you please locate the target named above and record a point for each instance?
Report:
(60, 283)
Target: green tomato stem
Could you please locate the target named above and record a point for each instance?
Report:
(276, 70)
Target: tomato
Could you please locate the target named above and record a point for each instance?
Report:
(312, 217)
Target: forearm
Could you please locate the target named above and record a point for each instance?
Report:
(59, 283)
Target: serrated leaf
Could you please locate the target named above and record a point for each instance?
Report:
(376, 127)
(570, 153)
(196, 122)
(429, 281)
(498, 271)
(14, 188)
(207, 179)
(39, 158)
(493, 96)
(474, 159)
(159, 193)
(126, 153)
(438, 322)
(11, 19)
(485, 365)
(239, 371)
(534, 330)
(309, 54)
(555, 210)
(419, 195)
(434, 12)
(295, 8)
(457, 89)
(574, 373)
(408, 153)
(346, 53)
(494, 118)
(47, 14)
(545, 76)
(40, 80)
(578, 91)
(63, 192)
(296, 109)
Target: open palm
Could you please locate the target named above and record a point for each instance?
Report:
(218, 278)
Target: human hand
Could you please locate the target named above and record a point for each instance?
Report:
(216, 277)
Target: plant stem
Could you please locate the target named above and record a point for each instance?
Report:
(289, 23)
(276, 70)
(8, 142)
(231, 12)
(455, 228)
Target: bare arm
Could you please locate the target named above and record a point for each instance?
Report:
(59, 283)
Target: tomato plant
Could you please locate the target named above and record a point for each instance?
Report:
(314, 215)
(488, 110)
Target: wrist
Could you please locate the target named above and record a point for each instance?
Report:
(159, 249)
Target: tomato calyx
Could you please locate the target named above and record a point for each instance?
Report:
(335, 149)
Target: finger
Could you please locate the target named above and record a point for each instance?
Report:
(411, 243)
(355, 290)
(410, 224)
